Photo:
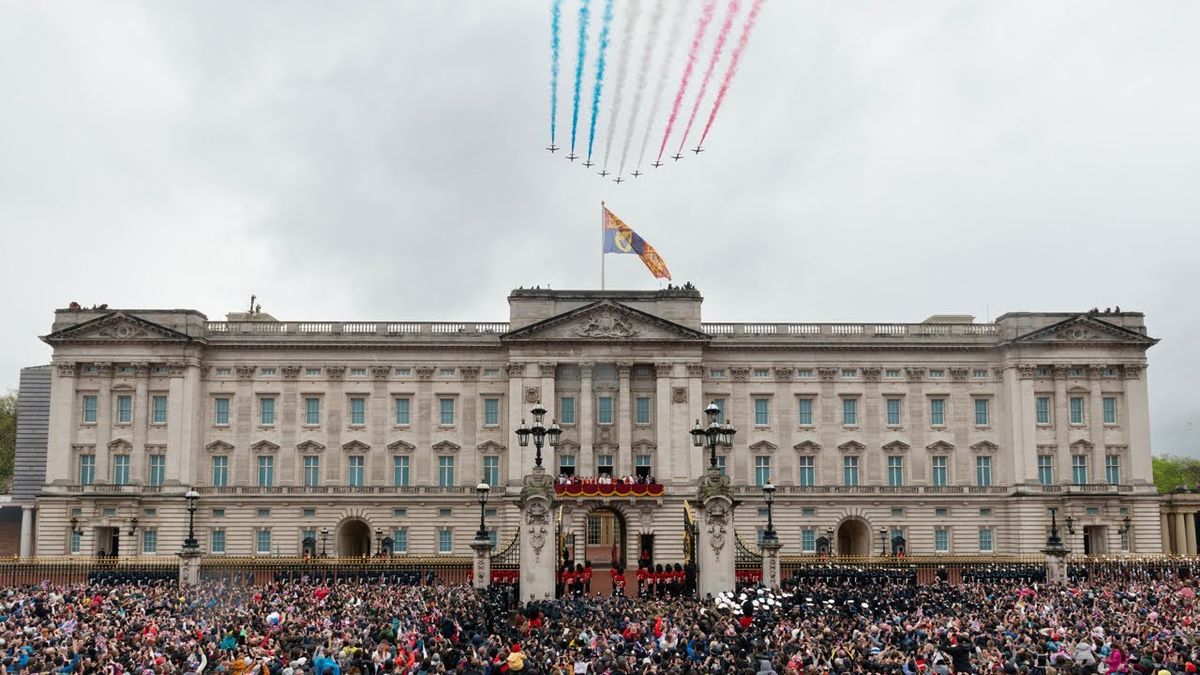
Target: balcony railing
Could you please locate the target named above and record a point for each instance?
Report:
(876, 489)
(354, 328)
(346, 490)
(849, 330)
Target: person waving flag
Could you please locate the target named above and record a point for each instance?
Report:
(620, 238)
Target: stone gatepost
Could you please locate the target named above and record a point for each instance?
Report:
(770, 562)
(189, 566)
(481, 572)
(538, 537)
(1056, 553)
(716, 549)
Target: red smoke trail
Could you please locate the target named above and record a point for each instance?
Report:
(712, 65)
(705, 17)
(733, 65)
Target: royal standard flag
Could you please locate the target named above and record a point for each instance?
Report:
(620, 238)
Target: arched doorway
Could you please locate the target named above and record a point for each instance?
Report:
(604, 538)
(853, 538)
(354, 539)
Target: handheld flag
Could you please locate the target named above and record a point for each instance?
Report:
(620, 238)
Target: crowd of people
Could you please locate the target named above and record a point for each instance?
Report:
(854, 622)
(571, 480)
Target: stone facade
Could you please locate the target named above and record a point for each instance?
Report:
(955, 435)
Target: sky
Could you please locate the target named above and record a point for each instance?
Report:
(874, 161)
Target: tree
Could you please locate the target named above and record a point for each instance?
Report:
(1172, 472)
(8, 438)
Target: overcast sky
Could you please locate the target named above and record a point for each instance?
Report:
(878, 161)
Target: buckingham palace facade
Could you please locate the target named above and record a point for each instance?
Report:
(956, 436)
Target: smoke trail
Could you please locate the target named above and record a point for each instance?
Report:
(706, 15)
(643, 77)
(605, 25)
(555, 15)
(622, 72)
(583, 24)
(733, 65)
(712, 65)
(660, 85)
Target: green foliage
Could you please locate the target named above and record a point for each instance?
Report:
(1171, 473)
(8, 436)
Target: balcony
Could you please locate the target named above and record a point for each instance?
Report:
(292, 330)
(982, 332)
(801, 490)
(294, 490)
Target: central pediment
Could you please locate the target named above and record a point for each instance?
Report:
(606, 321)
(118, 326)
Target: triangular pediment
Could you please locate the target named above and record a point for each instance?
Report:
(218, 446)
(985, 447)
(940, 447)
(400, 446)
(1085, 330)
(309, 446)
(807, 447)
(852, 447)
(355, 446)
(492, 447)
(764, 446)
(118, 326)
(446, 447)
(896, 447)
(264, 447)
(606, 320)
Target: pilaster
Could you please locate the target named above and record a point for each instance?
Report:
(770, 562)
(538, 536)
(715, 540)
(624, 403)
(65, 420)
(585, 422)
(663, 457)
(481, 568)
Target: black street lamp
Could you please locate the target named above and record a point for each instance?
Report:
(482, 490)
(1054, 541)
(324, 536)
(1070, 525)
(539, 431)
(712, 435)
(1126, 523)
(190, 543)
(133, 525)
(75, 527)
(379, 540)
(769, 496)
(883, 541)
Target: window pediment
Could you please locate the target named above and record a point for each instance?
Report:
(896, 447)
(762, 447)
(310, 446)
(220, 447)
(984, 448)
(940, 447)
(807, 447)
(119, 445)
(645, 444)
(605, 446)
(492, 447)
(446, 447)
(355, 446)
(852, 447)
(1082, 445)
(400, 447)
(566, 446)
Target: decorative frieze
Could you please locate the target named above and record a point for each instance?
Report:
(469, 373)
(245, 372)
(425, 373)
(335, 373)
(67, 369)
(959, 374)
(384, 372)
(827, 374)
(871, 374)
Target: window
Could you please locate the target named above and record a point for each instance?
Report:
(979, 373)
(446, 412)
(445, 471)
(1075, 372)
(721, 464)
(216, 542)
(491, 470)
(604, 464)
(218, 513)
(221, 417)
(400, 471)
(121, 469)
(150, 512)
(642, 410)
(808, 512)
(312, 372)
(399, 513)
(312, 471)
(566, 409)
(491, 412)
(897, 511)
(604, 413)
(89, 409)
(850, 471)
(937, 412)
(402, 412)
(158, 469)
(266, 471)
(358, 372)
(941, 512)
(762, 372)
(804, 373)
(87, 469)
(75, 541)
(808, 540)
(263, 542)
(983, 471)
(808, 471)
(150, 541)
(403, 372)
(358, 411)
(941, 540)
(266, 411)
(1079, 472)
(642, 465)
(1076, 403)
(1042, 371)
(762, 415)
(806, 412)
(1043, 410)
(1045, 469)
(716, 373)
(895, 471)
(491, 372)
(937, 373)
(445, 372)
(720, 403)
(849, 412)
(224, 371)
(1112, 469)
(309, 513)
(892, 373)
(220, 471)
(357, 467)
(762, 470)
(158, 410)
(1110, 410)
(400, 540)
(981, 412)
(445, 541)
(985, 513)
(849, 373)
(124, 409)
(893, 412)
(566, 464)
(985, 540)
(312, 411)
(266, 371)
(939, 464)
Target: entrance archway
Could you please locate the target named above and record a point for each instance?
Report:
(354, 539)
(853, 538)
(604, 538)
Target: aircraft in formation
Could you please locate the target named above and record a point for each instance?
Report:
(552, 147)
(589, 163)
(656, 164)
(618, 180)
(697, 149)
(636, 173)
(572, 157)
(603, 173)
(677, 157)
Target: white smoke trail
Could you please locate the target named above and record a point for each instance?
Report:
(674, 36)
(643, 78)
(622, 72)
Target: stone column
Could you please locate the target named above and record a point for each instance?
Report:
(61, 465)
(549, 400)
(481, 568)
(691, 463)
(770, 562)
(26, 530)
(1179, 546)
(1062, 429)
(715, 540)
(1137, 412)
(104, 419)
(189, 566)
(1164, 532)
(663, 467)
(538, 537)
(585, 421)
(139, 472)
(1056, 566)
(1189, 532)
(624, 459)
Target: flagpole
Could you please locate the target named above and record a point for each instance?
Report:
(601, 244)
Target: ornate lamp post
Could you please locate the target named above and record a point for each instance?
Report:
(482, 490)
(769, 497)
(1070, 522)
(324, 536)
(1126, 523)
(882, 541)
(190, 543)
(539, 431)
(379, 540)
(712, 435)
(1054, 541)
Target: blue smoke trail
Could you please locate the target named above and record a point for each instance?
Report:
(583, 24)
(555, 14)
(605, 24)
